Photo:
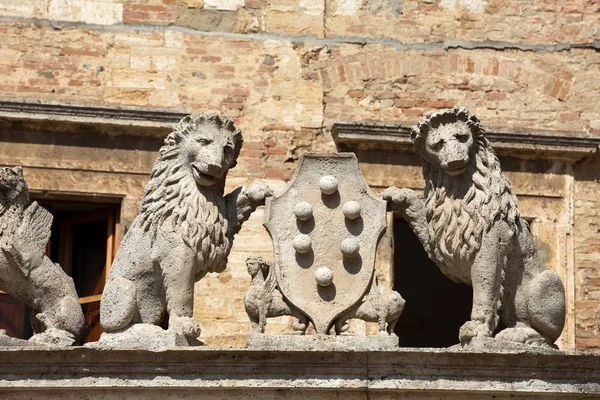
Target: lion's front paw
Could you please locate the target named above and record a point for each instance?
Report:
(186, 326)
(258, 192)
(399, 198)
(471, 329)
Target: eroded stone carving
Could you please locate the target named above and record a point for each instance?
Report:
(382, 305)
(184, 230)
(261, 303)
(469, 224)
(25, 271)
(325, 228)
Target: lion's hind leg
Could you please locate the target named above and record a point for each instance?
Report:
(118, 305)
(546, 305)
(545, 312)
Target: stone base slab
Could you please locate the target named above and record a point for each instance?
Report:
(7, 341)
(322, 342)
(215, 373)
(142, 336)
(491, 345)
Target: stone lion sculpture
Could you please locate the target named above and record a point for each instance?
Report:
(185, 229)
(469, 224)
(25, 271)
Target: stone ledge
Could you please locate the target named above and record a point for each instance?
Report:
(557, 146)
(203, 370)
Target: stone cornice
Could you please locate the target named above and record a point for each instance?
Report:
(559, 146)
(131, 121)
(48, 110)
(198, 370)
(137, 121)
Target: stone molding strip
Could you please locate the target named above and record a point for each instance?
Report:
(548, 145)
(198, 371)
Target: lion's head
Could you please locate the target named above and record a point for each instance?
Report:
(446, 139)
(12, 184)
(204, 146)
(14, 197)
(465, 190)
(188, 178)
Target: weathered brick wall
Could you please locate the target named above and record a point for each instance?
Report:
(286, 69)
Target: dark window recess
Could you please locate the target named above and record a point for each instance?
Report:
(435, 307)
(83, 242)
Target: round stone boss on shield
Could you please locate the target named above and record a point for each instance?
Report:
(302, 243)
(303, 211)
(350, 247)
(328, 184)
(351, 209)
(324, 276)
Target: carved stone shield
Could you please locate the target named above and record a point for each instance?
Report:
(325, 228)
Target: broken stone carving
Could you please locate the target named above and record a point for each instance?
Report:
(382, 305)
(25, 271)
(184, 231)
(325, 228)
(469, 224)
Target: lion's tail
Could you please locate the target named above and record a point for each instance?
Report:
(499, 304)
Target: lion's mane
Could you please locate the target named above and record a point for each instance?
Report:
(458, 215)
(173, 197)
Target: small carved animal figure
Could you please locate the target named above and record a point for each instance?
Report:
(184, 230)
(382, 306)
(25, 271)
(260, 302)
(469, 224)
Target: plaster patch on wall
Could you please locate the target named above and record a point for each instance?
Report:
(475, 6)
(230, 5)
(89, 11)
(348, 7)
(378, 6)
(12, 8)
(312, 7)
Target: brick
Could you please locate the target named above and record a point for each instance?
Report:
(276, 150)
(413, 112)
(355, 93)
(569, 116)
(273, 173)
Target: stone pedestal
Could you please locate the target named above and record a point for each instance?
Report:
(322, 342)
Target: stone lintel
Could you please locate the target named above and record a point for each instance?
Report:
(519, 143)
(65, 373)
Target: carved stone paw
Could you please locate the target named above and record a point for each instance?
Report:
(471, 329)
(54, 337)
(524, 335)
(400, 199)
(258, 192)
(186, 326)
